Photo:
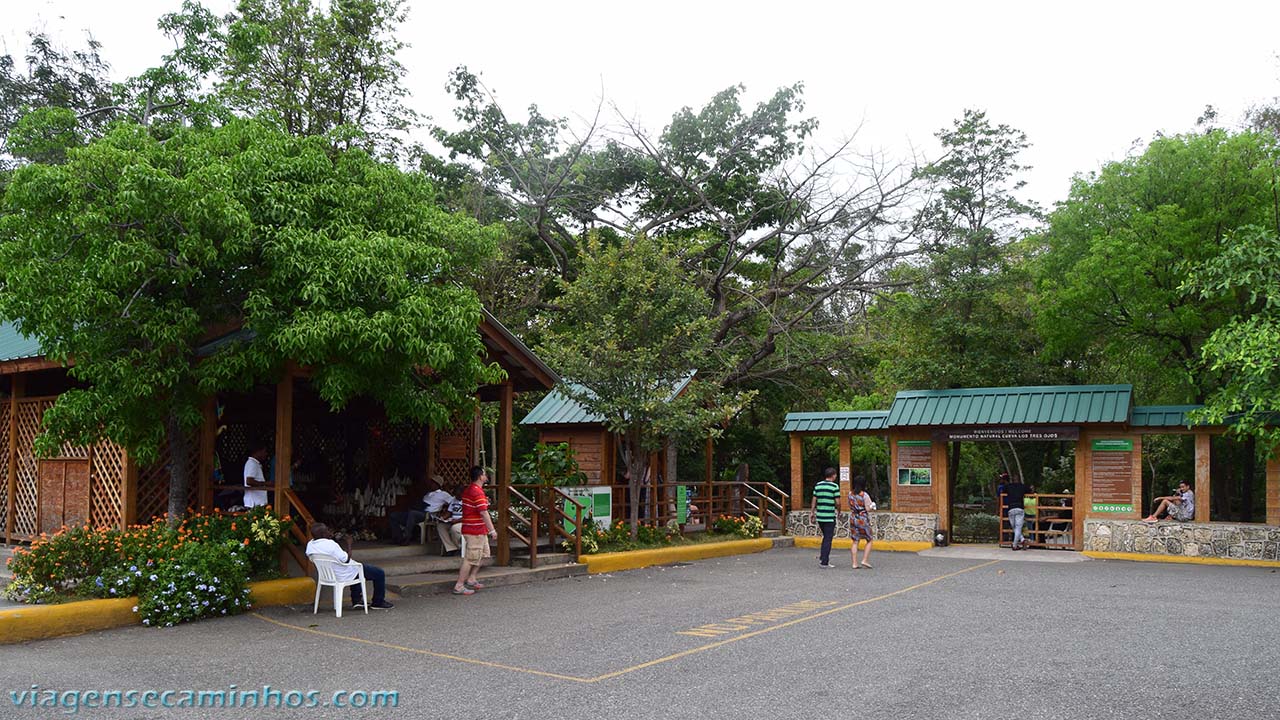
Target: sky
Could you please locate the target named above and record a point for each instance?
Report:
(1088, 82)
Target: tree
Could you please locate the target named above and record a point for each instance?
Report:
(1245, 351)
(313, 68)
(51, 77)
(121, 259)
(632, 332)
(1118, 251)
(782, 240)
(963, 319)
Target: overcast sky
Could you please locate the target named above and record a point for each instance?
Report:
(1084, 80)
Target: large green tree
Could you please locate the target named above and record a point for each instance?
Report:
(1118, 251)
(632, 332)
(120, 260)
(1245, 351)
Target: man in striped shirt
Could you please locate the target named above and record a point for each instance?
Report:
(824, 511)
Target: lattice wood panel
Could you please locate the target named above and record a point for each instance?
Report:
(26, 507)
(153, 483)
(322, 448)
(106, 485)
(454, 450)
(4, 465)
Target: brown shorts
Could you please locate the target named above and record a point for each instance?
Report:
(475, 548)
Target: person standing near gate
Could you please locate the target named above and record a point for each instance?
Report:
(823, 508)
(255, 478)
(1015, 494)
(860, 506)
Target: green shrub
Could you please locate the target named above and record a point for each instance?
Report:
(203, 580)
(977, 526)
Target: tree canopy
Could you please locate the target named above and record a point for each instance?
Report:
(121, 259)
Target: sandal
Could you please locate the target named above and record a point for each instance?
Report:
(865, 565)
(463, 591)
(477, 585)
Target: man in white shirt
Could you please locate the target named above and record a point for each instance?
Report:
(255, 478)
(449, 526)
(323, 543)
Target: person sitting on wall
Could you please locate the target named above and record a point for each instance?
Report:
(339, 548)
(1180, 507)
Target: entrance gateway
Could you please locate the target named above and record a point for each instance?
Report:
(1101, 420)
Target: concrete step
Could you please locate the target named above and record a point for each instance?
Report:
(771, 533)
(398, 567)
(379, 553)
(545, 559)
(783, 541)
(439, 583)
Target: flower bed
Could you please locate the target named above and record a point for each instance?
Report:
(200, 568)
(618, 537)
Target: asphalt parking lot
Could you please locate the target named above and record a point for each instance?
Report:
(768, 635)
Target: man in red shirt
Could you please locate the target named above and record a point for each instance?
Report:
(477, 528)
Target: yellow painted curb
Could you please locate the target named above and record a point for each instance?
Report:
(36, 622)
(635, 559)
(39, 622)
(888, 545)
(285, 591)
(1181, 559)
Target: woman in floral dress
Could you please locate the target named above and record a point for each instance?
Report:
(860, 506)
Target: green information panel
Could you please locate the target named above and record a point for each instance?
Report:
(1113, 446)
(682, 504)
(1112, 508)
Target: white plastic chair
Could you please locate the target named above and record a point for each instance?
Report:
(326, 575)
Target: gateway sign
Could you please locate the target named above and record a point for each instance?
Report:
(994, 434)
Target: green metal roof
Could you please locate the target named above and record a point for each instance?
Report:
(835, 421)
(1162, 415)
(16, 346)
(1057, 404)
(559, 409)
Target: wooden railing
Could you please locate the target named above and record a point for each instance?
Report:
(658, 505)
(289, 505)
(1052, 525)
(558, 518)
(527, 523)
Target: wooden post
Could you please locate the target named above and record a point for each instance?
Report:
(892, 439)
(208, 445)
(11, 495)
(797, 470)
(846, 470)
(1081, 503)
(128, 491)
(941, 485)
(505, 412)
(284, 440)
(1273, 486)
(1203, 483)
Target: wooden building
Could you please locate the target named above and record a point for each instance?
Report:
(1106, 428)
(103, 486)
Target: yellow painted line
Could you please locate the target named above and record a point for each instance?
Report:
(789, 623)
(846, 543)
(636, 559)
(38, 622)
(1180, 559)
(633, 668)
(419, 651)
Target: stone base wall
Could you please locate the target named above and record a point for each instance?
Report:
(903, 527)
(1187, 539)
